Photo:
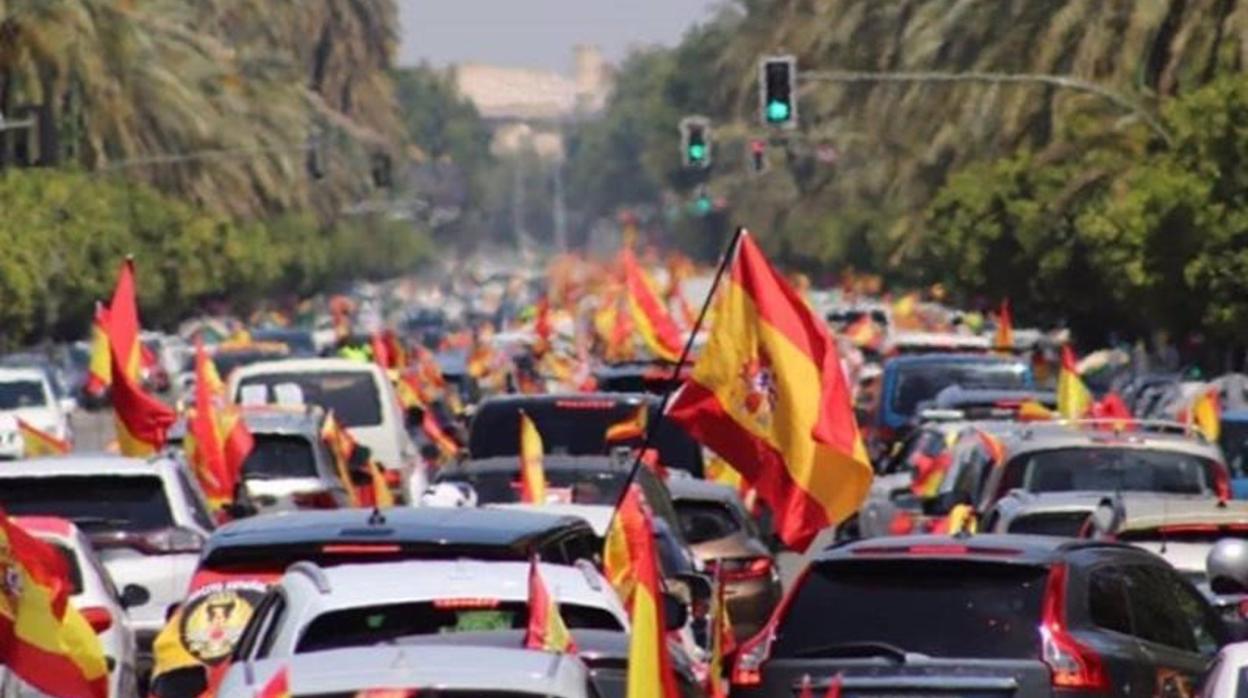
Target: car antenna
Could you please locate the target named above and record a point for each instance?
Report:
(1165, 518)
(376, 518)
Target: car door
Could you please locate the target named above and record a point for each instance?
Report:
(1176, 630)
(1114, 638)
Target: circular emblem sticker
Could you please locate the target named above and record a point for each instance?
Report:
(214, 616)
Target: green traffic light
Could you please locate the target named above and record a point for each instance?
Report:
(777, 111)
(697, 152)
(703, 205)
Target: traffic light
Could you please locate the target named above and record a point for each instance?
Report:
(695, 141)
(777, 83)
(758, 156)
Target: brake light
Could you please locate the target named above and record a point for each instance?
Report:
(747, 670)
(1221, 482)
(172, 540)
(98, 617)
(453, 604)
(585, 404)
(359, 548)
(936, 550)
(320, 499)
(1188, 528)
(1074, 666)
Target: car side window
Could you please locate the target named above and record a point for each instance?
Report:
(194, 502)
(247, 641)
(268, 632)
(1107, 600)
(1154, 619)
(1205, 628)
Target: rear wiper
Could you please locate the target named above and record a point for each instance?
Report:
(855, 649)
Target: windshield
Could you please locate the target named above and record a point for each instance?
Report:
(276, 457)
(1112, 469)
(374, 624)
(919, 382)
(939, 608)
(706, 521)
(15, 395)
(94, 502)
(566, 486)
(351, 395)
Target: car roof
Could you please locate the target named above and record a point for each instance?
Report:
(447, 526)
(277, 419)
(550, 462)
(693, 489)
(949, 357)
(453, 667)
(1045, 436)
(1235, 416)
(309, 365)
(554, 398)
(21, 373)
(956, 396)
(1013, 548)
(360, 585)
(82, 464)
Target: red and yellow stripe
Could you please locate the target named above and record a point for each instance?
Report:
(652, 320)
(650, 672)
(1074, 400)
(546, 630)
(768, 394)
(630, 428)
(38, 443)
(100, 368)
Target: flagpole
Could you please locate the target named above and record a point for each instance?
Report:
(653, 425)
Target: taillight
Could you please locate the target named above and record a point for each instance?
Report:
(320, 499)
(1074, 666)
(172, 540)
(748, 669)
(739, 569)
(98, 617)
(1221, 482)
(455, 604)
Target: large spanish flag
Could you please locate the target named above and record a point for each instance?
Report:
(37, 443)
(650, 672)
(650, 316)
(43, 639)
(1206, 413)
(123, 322)
(769, 396)
(1074, 400)
(546, 630)
(100, 368)
(141, 420)
(532, 474)
(218, 439)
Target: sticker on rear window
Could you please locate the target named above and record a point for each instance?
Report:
(214, 616)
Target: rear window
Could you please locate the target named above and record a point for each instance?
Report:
(573, 486)
(95, 502)
(14, 395)
(355, 627)
(1110, 469)
(1066, 524)
(351, 395)
(574, 427)
(942, 608)
(706, 521)
(920, 382)
(276, 457)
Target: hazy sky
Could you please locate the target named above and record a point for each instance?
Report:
(538, 33)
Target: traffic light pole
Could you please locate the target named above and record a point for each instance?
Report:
(1060, 81)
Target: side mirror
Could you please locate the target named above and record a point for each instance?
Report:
(675, 612)
(133, 595)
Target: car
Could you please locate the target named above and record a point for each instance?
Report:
(603, 652)
(909, 381)
(1234, 442)
(146, 519)
(1228, 675)
(361, 397)
(314, 608)
(569, 480)
(27, 394)
(439, 672)
(94, 595)
(289, 466)
(725, 538)
(1087, 455)
(243, 559)
(985, 615)
(575, 425)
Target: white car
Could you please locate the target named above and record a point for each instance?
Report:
(315, 609)
(96, 598)
(449, 671)
(1226, 677)
(26, 394)
(360, 395)
(147, 519)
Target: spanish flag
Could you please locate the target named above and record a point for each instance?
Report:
(1074, 400)
(218, 439)
(546, 631)
(342, 446)
(1003, 340)
(650, 672)
(722, 642)
(651, 318)
(1034, 411)
(43, 639)
(142, 421)
(278, 686)
(768, 395)
(38, 443)
(1206, 414)
(437, 435)
(631, 428)
(100, 368)
(617, 554)
(532, 476)
(123, 322)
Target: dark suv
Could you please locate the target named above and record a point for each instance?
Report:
(985, 616)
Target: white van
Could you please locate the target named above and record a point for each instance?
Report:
(360, 396)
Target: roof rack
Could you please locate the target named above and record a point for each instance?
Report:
(313, 572)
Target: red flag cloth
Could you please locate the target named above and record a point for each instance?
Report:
(768, 394)
(546, 630)
(123, 321)
(141, 420)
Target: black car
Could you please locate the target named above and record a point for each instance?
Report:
(354, 535)
(576, 424)
(985, 616)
